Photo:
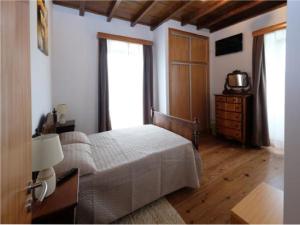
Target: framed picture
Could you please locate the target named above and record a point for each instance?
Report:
(42, 26)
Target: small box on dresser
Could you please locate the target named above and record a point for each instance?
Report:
(233, 116)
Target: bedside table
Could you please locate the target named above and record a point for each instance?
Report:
(66, 127)
(60, 207)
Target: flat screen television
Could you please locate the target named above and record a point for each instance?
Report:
(229, 45)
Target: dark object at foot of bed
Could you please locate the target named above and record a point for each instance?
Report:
(185, 128)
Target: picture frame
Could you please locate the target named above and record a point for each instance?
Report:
(42, 26)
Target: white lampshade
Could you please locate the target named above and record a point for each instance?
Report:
(46, 152)
(62, 108)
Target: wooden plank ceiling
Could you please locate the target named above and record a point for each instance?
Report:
(213, 15)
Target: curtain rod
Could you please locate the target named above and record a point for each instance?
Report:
(123, 38)
(269, 29)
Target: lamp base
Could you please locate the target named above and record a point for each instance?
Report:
(62, 119)
(47, 175)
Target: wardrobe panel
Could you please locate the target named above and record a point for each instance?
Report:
(199, 95)
(180, 50)
(199, 49)
(179, 91)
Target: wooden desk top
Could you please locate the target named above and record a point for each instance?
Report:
(264, 205)
(65, 196)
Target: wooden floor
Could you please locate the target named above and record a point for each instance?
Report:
(230, 172)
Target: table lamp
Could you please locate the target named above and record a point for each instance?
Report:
(46, 152)
(62, 110)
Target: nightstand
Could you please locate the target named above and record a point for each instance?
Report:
(60, 207)
(65, 127)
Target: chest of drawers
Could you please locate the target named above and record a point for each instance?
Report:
(233, 116)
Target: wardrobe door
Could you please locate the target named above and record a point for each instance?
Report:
(199, 95)
(199, 49)
(179, 90)
(179, 48)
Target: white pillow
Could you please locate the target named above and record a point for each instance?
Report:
(74, 137)
(76, 156)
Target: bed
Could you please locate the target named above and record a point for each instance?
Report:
(135, 166)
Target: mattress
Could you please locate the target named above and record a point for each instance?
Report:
(134, 167)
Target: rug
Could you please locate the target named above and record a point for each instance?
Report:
(158, 212)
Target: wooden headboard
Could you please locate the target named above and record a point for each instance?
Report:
(187, 129)
(46, 125)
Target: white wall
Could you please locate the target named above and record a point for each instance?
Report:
(40, 68)
(220, 66)
(75, 61)
(161, 61)
(292, 123)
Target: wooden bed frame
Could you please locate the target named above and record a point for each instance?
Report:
(187, 129)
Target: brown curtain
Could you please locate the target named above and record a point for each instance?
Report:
(260, 130)
(104, 123)
(148, 83)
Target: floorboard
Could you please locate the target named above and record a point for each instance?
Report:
(230, 172)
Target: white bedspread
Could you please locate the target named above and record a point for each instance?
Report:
(135, 166)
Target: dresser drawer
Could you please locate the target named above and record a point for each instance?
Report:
(220, 114)
(229, 124)
(228, 115)
(238, 108)
(234, 100)
(230, 133)
(220, 98)
(229, 107)
(221, 106)
(233, 134)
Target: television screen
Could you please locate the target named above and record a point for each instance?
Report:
(229, 45)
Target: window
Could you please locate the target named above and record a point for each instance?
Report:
(125, 77)
(275, 44)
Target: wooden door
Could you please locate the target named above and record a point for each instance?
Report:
(200, 95)
(15, 97)
(180, 50)
(179, 90)
(199, 50)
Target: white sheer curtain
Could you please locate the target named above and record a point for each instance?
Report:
(275, 45)
(125, 78)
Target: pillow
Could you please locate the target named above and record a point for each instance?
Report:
(74, 137)
(76, 156)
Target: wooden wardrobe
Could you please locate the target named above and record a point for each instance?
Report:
(188, 77)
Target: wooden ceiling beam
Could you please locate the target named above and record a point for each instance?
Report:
(113, 9)
(142, 13)
(231, 13)
(82, 8)
(264, 7)
(171, 14)
(135, 15)
(198, 15)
